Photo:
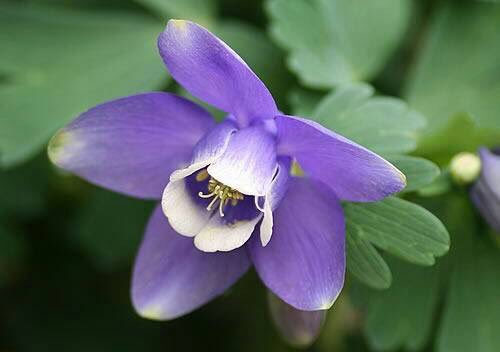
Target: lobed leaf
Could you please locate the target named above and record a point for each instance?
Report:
(333, 42)
(382, 124)
(401, 228)
(364, 261)
(419, 172)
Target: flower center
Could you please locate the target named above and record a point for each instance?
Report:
(219, 192)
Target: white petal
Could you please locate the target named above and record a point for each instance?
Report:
(184, 215)
(266, 227)
(272, 200)
(219, 236)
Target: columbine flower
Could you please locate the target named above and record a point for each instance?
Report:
(227, 197)
(485, 192)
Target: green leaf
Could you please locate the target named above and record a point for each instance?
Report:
(364, 261)
(401, 228)
(303, 102)
(200, 11)
(419, 172)
(58, 63)
(101, 232)
(401, 316)
(333, 42)
(472, 313)
(458, 69)
(382, 124)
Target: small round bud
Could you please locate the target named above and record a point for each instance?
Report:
(465, 168)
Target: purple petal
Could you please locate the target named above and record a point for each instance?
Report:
(352, 171)
(298, 327)
(248, 163)
(485, 193)
(304, 263)
(131, 145)
(185, 214)
(172, 278)
(210, 70)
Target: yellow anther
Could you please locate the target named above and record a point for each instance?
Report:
(202, 175)
(218, 192)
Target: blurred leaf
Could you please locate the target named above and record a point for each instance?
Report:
(441, 185)
(472, 311)
(200, 11)
(401, 228)
(364, 261)
(401, 316)
(458, 70)
(24, 189)
(303, 102)
(109, 229)
(58, 63)
(461, 133)
(13, 249)
(382, 124)
(419, 172)
(332, 42)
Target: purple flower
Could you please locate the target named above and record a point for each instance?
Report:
(228, 199)
(485, 193)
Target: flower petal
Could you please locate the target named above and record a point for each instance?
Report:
(273, 199)
(485, 193)
(352, 171)
(304, 263)
(131, 145)
(172, 278)
(179, 205)
(210, 70)
(184, 214)
(298, 327)
(491, 169)
(218, 235)
(249, 162)
(208, 149)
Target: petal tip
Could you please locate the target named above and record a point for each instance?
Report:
(152, 312)
(178, 24)
(57, 149)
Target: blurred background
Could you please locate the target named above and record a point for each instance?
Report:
(67, 247)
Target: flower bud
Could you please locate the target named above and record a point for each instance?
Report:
(485, 193)
(465, 168)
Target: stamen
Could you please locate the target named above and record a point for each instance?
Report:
(206, 196)
(202, 175)
(212, 203)
(219, 193)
